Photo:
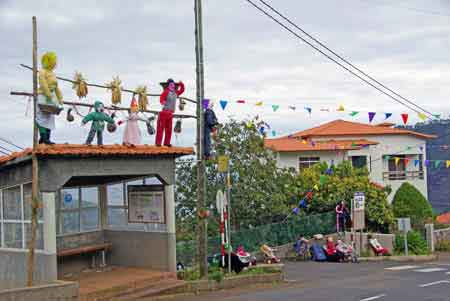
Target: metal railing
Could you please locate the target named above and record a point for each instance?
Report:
(402, 175)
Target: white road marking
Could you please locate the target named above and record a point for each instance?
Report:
(402, 267)
(374, 298)
(434, 283)
(430, 270)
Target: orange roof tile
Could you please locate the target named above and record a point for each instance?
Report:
(94, 150)
(444, 219)
(292, 144)
(347, 128)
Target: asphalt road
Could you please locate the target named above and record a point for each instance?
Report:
(308, 281)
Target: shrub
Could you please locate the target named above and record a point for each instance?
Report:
(416, 244)
(409, 202)
(443, 245)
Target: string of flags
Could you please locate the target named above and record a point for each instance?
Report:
(352, 113)
(428, 163)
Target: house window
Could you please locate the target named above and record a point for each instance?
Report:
(15, 218)
(397, 170)
(359, 161)
(307, 162)
(78, 210)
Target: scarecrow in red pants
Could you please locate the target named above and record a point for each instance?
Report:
(168, 100)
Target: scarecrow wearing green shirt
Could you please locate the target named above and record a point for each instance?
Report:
(98, 118)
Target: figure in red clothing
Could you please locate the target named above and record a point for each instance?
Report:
(168, 100)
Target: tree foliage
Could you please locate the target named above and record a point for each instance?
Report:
(262, 193)
(409, 202)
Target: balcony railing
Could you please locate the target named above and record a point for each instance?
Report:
(402, 175)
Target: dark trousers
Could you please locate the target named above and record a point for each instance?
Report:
(207, 142)
(91, 136)
(164, 126)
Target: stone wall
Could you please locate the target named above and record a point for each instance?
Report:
(442, 234)
(57, 291)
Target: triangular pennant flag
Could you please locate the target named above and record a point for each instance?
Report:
(309, 194)
(422, 116)
(303, 204)
(295, 210)
(240, 101)
(405, 118)
(427, 162)
(437, 116)
(354, 113)
(387, 115)
(322, 179)
(397, 159)
(223, 104)
(275, 107)
(205, 103)
(293, 108)
(371, 116)
(274, 133)
(316, 187)
(341, 108)
(416, 162)
(308, 109)
(259, 103)
(387, 157)
(354, 144)
(437, 163)
(448, 163)
(406, 161)
(304, 141)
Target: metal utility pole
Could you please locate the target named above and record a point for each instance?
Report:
(201, 227)
(35, 184)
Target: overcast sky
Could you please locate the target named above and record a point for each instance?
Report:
(404, 44)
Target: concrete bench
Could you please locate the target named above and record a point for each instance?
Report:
(102, 248)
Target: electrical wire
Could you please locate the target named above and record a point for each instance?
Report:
(331, 58)
(10, 143)
(342, 58)
(6, 149)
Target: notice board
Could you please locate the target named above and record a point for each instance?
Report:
(146, 204)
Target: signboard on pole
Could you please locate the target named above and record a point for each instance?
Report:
(358, 217)
(223, 163)
(404, 224)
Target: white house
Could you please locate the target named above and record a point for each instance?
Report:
(392, 156)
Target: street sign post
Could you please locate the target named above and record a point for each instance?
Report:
(358, 215)
(404, 225)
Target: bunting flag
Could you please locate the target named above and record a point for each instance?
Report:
(205, 103)
(427, 162)
(259, 103)
(275, 107)
(274, 133)
(448, 163)
(405, 118)
(303, 204)
(304, 141)
(437, 163)
(309, 195)
(322, 179)
(295, 210)
(437, 116)
(387, 157)
(416, 162)
(293, 108)
(354, 113)
(422, 116)
(309, 110)
(387, 115)
(406, 161)
(371, 116)
(329, 171)
(316, 187)
(240, 101)
(223, 104)
(397, 159)
(341, 108)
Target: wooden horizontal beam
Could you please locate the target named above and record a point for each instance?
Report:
(113, 108)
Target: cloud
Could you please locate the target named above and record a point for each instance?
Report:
(246, 56)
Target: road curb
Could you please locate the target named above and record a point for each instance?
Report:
(413, 258)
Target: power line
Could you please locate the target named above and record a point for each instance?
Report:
(330, 58)
(5, 149)
(11, 143)
(343, 59)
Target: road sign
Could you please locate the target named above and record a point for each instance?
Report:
(404, 224)
(359, 201)
(358, 211)
(223, 163)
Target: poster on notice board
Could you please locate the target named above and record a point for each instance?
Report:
(146, 204)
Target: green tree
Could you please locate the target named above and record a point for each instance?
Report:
(409, 202)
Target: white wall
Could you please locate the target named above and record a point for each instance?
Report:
(388, 145)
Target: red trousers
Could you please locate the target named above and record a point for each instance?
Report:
(164, 125)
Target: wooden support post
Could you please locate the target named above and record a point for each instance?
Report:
(35, 179)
